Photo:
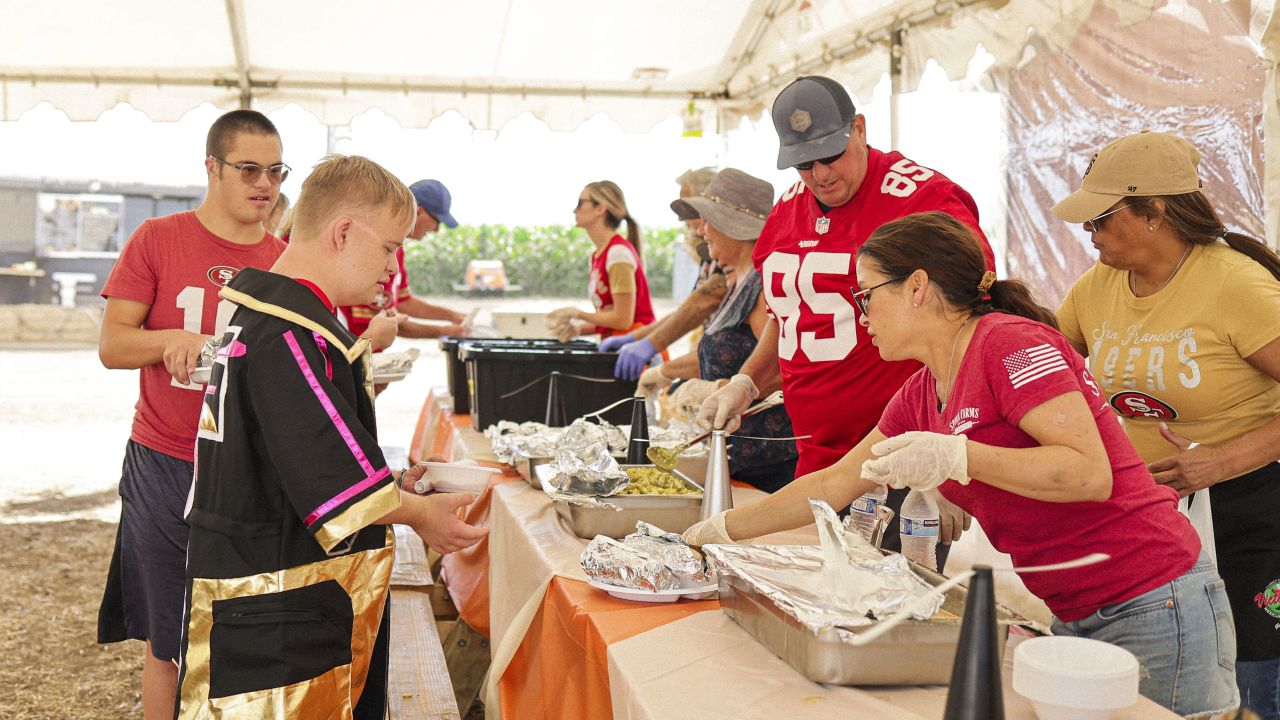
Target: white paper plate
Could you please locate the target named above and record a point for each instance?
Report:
(201, 375)
(384, 378)
(664, 596)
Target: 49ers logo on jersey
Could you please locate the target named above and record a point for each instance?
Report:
(1134, 404)
(220, 275)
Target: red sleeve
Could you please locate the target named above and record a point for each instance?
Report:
(1026, 365)
(902, 414)
(135, 276)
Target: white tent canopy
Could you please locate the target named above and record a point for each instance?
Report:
(562, 60)
(1139, 63)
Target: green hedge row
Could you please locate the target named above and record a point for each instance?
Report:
(546, 261)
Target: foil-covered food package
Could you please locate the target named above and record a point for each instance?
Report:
(583, 432)
(531, 439)
(209, 351)
(586, 470)
(648, 559)
(844, 583)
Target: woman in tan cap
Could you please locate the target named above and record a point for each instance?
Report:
(618, 288)
(1180, 322)
(733, 210)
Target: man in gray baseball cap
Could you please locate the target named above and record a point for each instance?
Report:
(815, 347)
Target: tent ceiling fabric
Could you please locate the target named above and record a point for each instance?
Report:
(490, 60)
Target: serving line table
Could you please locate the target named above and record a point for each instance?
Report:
(562, 649)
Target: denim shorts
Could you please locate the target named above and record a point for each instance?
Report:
(1183, 636)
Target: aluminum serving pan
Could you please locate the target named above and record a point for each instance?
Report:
(527, 465)
(616, 516)
(913, 653)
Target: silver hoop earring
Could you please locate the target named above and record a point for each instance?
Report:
(915, 304)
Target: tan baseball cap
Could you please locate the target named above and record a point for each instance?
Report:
(1146, 163)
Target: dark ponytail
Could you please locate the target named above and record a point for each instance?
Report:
(949, 252)
(1194, 220)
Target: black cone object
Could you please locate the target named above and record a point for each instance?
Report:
(976, 692)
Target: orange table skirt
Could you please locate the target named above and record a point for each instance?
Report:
(561, 669)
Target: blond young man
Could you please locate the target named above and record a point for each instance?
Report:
(290, 554)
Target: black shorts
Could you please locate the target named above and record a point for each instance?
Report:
(146, 584)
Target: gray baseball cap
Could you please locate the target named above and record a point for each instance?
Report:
(813, 117)
(736, 203)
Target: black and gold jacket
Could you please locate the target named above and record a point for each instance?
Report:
(287, 575)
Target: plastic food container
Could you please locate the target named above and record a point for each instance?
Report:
(459, 477)
(1070, 678)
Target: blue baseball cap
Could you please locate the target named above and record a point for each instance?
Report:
(434, 197)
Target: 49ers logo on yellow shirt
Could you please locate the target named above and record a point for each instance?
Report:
(1134, 404)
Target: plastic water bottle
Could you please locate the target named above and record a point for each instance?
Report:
(920, 526)
(863, 510)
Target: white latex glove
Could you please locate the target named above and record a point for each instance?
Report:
(708, 532)
(722, 410)
(651, 381)
(918, 460)
(689, 396)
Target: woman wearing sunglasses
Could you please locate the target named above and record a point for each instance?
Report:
(618, 288)
(1005, 421)
(1180, 322)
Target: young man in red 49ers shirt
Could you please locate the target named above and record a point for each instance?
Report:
(162, 304)
(834, 383)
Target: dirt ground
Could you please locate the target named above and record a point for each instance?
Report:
(64, 420)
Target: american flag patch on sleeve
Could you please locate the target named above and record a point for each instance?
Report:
(1032, 363)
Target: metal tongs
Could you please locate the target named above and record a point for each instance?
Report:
(666, 458)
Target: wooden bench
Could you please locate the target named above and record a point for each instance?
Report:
(419, 687)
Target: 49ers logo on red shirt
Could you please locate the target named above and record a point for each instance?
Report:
(1134, 404)
(220, 275)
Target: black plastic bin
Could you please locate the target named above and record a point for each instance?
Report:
(586, 383)
(457, 371)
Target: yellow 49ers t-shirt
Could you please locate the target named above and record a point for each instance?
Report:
(1178, 356)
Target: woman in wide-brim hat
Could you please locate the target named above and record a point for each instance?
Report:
(733, 209)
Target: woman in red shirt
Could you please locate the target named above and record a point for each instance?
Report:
(1005, 421)
(618, 288)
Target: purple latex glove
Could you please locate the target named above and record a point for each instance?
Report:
(610, 344)
(632, 359)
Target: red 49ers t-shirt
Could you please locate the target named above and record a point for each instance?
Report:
(833, 379)
(175, 265)
(1013, 365)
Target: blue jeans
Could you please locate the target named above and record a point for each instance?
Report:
(1259, 682)
(1183, 637)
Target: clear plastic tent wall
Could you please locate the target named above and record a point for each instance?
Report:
(1188, 69)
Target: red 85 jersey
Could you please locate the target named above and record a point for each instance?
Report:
(834, 380)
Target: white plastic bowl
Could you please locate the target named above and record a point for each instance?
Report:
(1069, 678)
(459, 477)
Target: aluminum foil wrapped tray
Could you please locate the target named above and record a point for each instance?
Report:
(647, 559)
(615, 516)
(774, 593)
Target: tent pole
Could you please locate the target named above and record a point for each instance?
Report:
(895, 83)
